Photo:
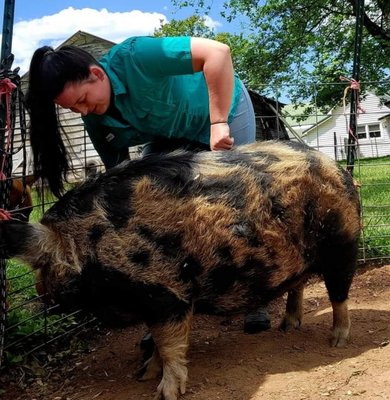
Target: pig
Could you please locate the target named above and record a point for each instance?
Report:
(21, 202)
(166, 236)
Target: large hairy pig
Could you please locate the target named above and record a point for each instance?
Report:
(216, 232)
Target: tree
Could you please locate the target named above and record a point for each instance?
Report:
(192, 26)
(309, 43)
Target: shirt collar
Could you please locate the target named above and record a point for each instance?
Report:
(117, 86)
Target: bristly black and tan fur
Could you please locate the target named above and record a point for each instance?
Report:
(223, 232)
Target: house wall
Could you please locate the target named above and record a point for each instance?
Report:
(331, 136)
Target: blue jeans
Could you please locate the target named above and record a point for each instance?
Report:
(243, 126)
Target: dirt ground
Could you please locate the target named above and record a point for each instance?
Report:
(227, 364)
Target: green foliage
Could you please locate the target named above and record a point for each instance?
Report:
(193, 26)
(301, 43)
(12, 358)
(19, 274)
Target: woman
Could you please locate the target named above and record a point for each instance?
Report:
(173, 92)
(170, 92)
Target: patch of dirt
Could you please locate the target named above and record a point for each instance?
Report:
(227, 364)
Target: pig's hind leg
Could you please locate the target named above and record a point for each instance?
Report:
(337, 265)
(341, 323)
(152, 367)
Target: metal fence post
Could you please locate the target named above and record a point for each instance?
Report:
(6, 62)
(352, 138)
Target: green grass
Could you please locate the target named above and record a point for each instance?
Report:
(374, 176)
(28, 321)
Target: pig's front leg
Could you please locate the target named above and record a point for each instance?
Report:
(151, 368)
(294, 309)
(172, 343)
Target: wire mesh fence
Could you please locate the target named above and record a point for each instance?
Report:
(29, 323)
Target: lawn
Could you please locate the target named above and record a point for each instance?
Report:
(30, 323)
(374, 176)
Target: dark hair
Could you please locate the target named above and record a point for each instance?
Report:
(50, 70)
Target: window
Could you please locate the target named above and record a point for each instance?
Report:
(368, 131)
(374, 131)
(361, 132)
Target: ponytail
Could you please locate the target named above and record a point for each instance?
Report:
(50, 70)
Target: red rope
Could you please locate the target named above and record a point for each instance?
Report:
(6, 88)
(353, 85)
(5, 215)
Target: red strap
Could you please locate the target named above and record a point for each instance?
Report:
(6, 88)
(5, 215)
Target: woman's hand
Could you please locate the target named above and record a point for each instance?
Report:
(220, 137)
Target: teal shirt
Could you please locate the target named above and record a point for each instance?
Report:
(157, 94)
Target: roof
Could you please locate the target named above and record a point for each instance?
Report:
(95, 45)
(384, 116)
(80, 36)
(297, 115)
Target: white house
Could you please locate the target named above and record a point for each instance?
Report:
(329, 132)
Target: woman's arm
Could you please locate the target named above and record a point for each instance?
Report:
(214, 59)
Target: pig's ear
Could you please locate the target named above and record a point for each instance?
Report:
(16, 238)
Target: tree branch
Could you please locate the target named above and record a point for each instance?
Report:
(374, 30)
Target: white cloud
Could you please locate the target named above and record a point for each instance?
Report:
(54, 29)
(211, 23)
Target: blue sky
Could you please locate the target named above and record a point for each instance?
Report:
(50, 22)
(27, 9)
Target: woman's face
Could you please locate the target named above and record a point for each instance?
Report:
(91, 96)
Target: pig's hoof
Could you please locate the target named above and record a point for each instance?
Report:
(151, 369)
(290, 322)
(167, 393)
(339, 338)
(338, 342)
(161, 396)
(257, 321)
(173, 382)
